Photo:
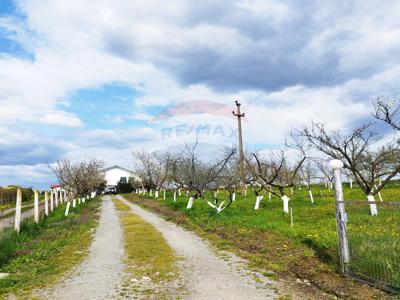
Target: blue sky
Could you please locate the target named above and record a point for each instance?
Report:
(89, 78)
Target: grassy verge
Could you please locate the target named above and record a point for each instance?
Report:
(42, 252)
(147, 254)
(265, 237)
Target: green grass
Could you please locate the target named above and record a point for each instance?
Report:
(374, 241)
(42, 252)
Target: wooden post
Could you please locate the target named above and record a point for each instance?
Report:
(36, 206)
(341, 217)
(18, 207)
(46, 203)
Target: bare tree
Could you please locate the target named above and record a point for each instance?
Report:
(79, 178)
(274, 174)
(360, 154)
(308, 174)
(153, 169)
(200, 177)
(388, 110)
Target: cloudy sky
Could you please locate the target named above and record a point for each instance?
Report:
(102, 78)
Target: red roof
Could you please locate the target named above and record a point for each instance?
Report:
(54, 186)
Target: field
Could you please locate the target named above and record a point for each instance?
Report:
(374, 241)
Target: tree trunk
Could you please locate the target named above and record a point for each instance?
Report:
(372, 206)
(285, 200)
(190, 203)
(258, 200)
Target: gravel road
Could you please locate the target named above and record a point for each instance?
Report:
(8, 222)
(99, 275)
(209, 276)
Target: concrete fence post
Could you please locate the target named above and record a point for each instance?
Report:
(56, 198)
(18, 207)
(46, 203)
(36, 207)
(341, 217)
(51, 200)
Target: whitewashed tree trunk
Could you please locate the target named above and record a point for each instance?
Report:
(311, 196)
(291, 190)
(330, 185)
(156, 194)
(80, 200)
(164, 196)
(258, 200)
(351, 183)
(83, 200)
(61, 196)
(67, 208)
(372, 206)
(179, 192)
(285, 200)
(234, 197)
(151, 193)
(269, 195)
(174, 196)
(93, 194)
(36, 207)
(245, 192)
(18, 207)
(74, 202)
(46, 203)
(190, 203)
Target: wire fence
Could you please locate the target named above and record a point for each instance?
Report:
(374, 243)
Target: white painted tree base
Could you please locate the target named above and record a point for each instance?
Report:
(258, 200)
(285, 200)
(190, 203)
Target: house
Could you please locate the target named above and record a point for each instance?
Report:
(114, 174)
(55, 187)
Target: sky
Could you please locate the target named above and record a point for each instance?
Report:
(95, 78)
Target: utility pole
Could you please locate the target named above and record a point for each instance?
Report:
(241, 156)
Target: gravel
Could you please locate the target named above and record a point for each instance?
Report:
(209, 276)
(99, 275)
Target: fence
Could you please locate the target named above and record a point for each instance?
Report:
(369, 246)
(374, 243)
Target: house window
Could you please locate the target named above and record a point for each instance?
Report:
(123, 180)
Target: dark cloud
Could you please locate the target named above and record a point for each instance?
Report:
(278, 53)
(30, 154)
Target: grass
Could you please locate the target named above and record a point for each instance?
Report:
(147, 256)
(41, 253)
(309, 249)
(143, 246)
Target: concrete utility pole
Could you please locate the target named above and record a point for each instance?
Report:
(241, 156)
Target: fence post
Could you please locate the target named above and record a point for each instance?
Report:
(46, 203)
(18, 207)
(341, 216)
(36, 207)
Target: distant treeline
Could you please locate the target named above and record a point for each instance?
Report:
(9, 194)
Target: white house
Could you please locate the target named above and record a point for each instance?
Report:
(114, 174)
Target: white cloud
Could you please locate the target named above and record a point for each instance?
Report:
(86, 44)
